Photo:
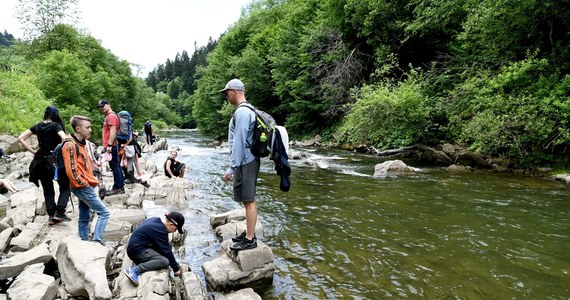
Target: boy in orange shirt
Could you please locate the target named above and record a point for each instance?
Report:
(82, 181)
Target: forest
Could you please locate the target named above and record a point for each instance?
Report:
(491, 75)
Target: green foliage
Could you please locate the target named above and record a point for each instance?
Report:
(388, 115)
(63, 76)
(498, 31)
(522, 111)
(6, 39)
(22, 102)
(491, 74)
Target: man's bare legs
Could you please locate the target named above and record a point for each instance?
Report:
(250, 218)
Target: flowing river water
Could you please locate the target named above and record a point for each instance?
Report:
(342, 234)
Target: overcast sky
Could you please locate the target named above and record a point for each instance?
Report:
(146, 32)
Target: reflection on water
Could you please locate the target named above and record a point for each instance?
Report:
(339, 233)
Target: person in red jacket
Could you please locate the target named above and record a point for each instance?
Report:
(78, 169)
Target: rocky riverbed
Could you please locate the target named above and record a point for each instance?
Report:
(39, 261)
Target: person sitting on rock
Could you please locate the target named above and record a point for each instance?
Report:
(148, 246)
(173, 167)
(9, 185)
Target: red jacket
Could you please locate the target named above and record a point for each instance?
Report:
(78, 165)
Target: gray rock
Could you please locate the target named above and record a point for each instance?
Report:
(456, 168)
(33, 284)
(243, 294)
(391, 167)
(563, 177)
(5, 237)
(237, 214)
(235, 228)
(12, 266)
(192, 286)
(226, 271)
(83, 267)
(473, 159)
(154, 285)
(29, 237)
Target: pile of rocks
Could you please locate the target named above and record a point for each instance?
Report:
(39, 261)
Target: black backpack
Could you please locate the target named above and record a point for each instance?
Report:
(59, 166)
(263, 132)
(147, 126)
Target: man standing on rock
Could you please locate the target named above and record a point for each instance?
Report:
(78, 169)
(149, 248)
(244, 166)
(148, 131)
(110, 127)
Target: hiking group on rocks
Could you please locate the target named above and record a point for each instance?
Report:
(32, 244)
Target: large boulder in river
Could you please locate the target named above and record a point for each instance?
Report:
(392, 167)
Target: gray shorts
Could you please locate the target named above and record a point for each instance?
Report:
(245, 180)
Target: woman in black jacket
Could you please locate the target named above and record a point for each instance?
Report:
(49, 132)
(173, 167)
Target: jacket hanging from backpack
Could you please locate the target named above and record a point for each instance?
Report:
(268, 141)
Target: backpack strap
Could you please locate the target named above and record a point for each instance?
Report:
(248, 105)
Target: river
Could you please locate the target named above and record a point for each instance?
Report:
(342, 234)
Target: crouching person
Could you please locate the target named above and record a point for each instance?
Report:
(78, 170)
(149, 248)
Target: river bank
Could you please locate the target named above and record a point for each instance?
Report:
(452, 156)
(342, 233)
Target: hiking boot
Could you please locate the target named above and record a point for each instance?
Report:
(51, 221)
(244, 244)
(61, 217)
(115, 192)
(132, 274)
(129, 181)
(145, 183)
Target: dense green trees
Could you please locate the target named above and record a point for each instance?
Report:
(6, 39)
(490, 74)
(73, 72)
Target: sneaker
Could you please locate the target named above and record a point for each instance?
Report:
(239, 238)
(132, 274)
(61, 217)
(145, 183)
(102, 193)
(244, 244)
(115, 192)
(51, 221)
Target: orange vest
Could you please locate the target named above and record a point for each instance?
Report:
(78, 165)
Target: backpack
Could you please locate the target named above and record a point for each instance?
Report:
(59, 166)
(263, 133)
(125, 126)
(147, 126)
